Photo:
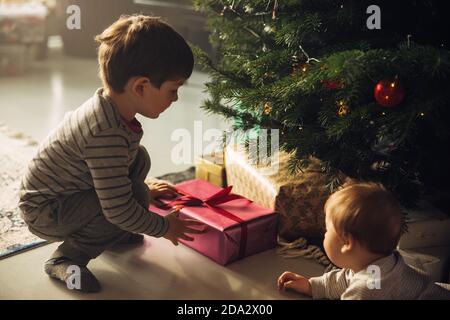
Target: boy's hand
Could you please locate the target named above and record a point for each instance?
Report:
(178, 228)
(161, 189)
(293, 281)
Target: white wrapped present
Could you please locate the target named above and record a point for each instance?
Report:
(434, 261)
(427, 227)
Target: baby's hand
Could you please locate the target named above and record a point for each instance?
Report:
(178, 228)
(290, 280)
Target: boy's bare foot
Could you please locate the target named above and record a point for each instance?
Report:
(75, 276)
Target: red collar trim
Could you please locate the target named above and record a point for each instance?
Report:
(134, 125)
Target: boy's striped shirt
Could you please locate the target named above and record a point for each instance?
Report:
(91, 149)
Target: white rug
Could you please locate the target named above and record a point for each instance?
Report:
(15, 152)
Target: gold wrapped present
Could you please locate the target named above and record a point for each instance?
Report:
(298, 198)
(211, 168)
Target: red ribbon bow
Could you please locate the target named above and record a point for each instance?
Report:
(220, 197)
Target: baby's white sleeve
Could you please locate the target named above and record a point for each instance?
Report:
(331, 285)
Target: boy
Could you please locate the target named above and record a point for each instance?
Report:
(363, 226)
(85, 186)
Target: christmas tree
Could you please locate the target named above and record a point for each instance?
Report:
(361, 85)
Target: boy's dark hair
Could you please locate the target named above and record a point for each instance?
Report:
(145, 46)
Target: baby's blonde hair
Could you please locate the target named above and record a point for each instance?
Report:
(367, 212)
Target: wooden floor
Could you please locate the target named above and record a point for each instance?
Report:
(156, 270)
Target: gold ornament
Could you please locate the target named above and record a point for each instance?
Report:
(267, 108)
(248, 9)
(343, 108)
(269, 29)
(297, 68)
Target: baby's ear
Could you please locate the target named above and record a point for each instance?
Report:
(348, 243)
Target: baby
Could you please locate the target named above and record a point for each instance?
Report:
(363, 227)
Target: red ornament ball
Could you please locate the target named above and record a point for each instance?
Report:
(333, 84)
(389, 93)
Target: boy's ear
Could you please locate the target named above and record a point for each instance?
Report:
(138, 84)
(348, 244)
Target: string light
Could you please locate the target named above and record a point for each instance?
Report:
(343, 108)
(267, 108)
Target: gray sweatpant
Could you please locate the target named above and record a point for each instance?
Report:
(78, 220)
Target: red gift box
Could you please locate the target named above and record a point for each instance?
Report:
(235, 227)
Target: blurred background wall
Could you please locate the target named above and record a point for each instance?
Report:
(47, 69)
